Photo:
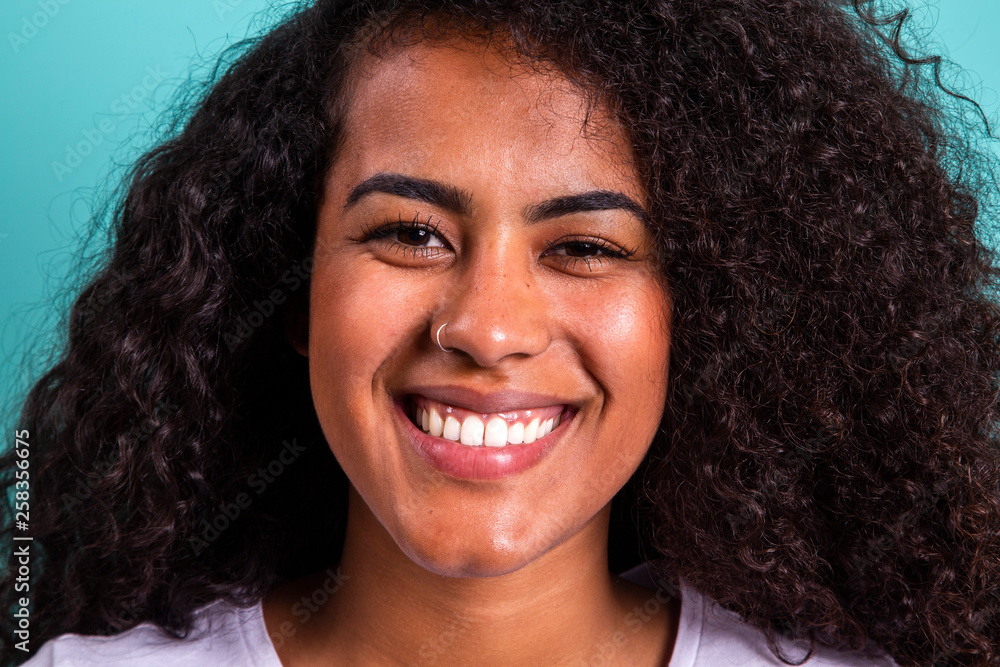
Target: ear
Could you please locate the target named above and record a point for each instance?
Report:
(297, 325)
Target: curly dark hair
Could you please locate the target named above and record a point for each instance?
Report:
(827, 464)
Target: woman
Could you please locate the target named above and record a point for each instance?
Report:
(421, 287)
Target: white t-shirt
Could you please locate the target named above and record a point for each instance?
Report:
(707, 636)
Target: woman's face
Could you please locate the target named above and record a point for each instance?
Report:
(471, 194)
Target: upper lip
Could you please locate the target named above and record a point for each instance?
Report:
(505, 400)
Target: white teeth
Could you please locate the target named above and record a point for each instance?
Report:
(496, 433)
(436, 426)
(531, 432)
(452, 429)
(515, 434)
(472, 431)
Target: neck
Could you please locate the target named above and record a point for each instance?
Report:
(561, 608)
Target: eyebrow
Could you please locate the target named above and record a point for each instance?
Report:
(457, 200)
(444, 196)
(595, 200)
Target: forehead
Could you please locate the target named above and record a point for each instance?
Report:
(439, 106)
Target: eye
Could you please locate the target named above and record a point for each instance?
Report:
(592, 251)
(407, 235)
(579, 249)
(416, 236)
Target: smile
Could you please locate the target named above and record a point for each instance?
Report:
(516, 427)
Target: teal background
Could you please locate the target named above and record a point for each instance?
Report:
(102, 73)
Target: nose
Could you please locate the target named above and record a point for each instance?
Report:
(494, 310)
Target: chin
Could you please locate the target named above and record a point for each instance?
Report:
(468, 565)
(489, 556)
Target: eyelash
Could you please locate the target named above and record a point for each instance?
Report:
(609, 250)
(382, 234)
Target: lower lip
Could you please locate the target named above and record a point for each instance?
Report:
(485, 463)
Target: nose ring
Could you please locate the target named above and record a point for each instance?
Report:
(437, 337)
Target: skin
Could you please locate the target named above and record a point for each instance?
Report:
(441, 570)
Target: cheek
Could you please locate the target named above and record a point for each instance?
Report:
(362, 314)
(359, 319)
(625, 338)
(351, 316)
(626, 342)
(355, 325)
